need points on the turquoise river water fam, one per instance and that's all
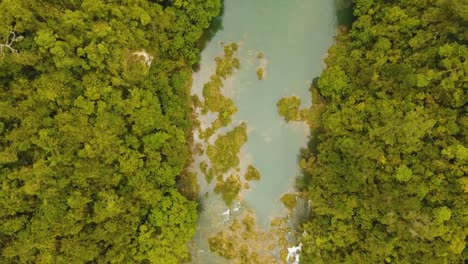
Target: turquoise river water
(294, 36)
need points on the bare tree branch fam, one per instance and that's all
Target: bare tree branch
(9, 42)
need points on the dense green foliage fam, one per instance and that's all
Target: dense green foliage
(92, 134)
(389, 181)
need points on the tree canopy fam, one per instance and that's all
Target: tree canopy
(387, 180)
(93, 126)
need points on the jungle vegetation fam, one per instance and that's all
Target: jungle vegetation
(94, 121)
(387, 168)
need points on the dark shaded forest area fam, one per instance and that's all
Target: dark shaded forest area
(94, 122)
(387, 169)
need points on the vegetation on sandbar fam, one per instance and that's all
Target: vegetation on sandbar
(229, 188)
(262, 65)
(289, 200)
(288, 108)
(224, 154)
(249, 223)
(260, 55)
(214, 100)
(226, 64)
(208, 172)
(243, 242)
(260, 73)
(252, 174)
(223, 245)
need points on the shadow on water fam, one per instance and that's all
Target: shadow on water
(316, 99)
(201, 202)
(215, 26)
(344, 13)
(345, 18)
(301, 212)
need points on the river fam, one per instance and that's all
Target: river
(293, 37)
